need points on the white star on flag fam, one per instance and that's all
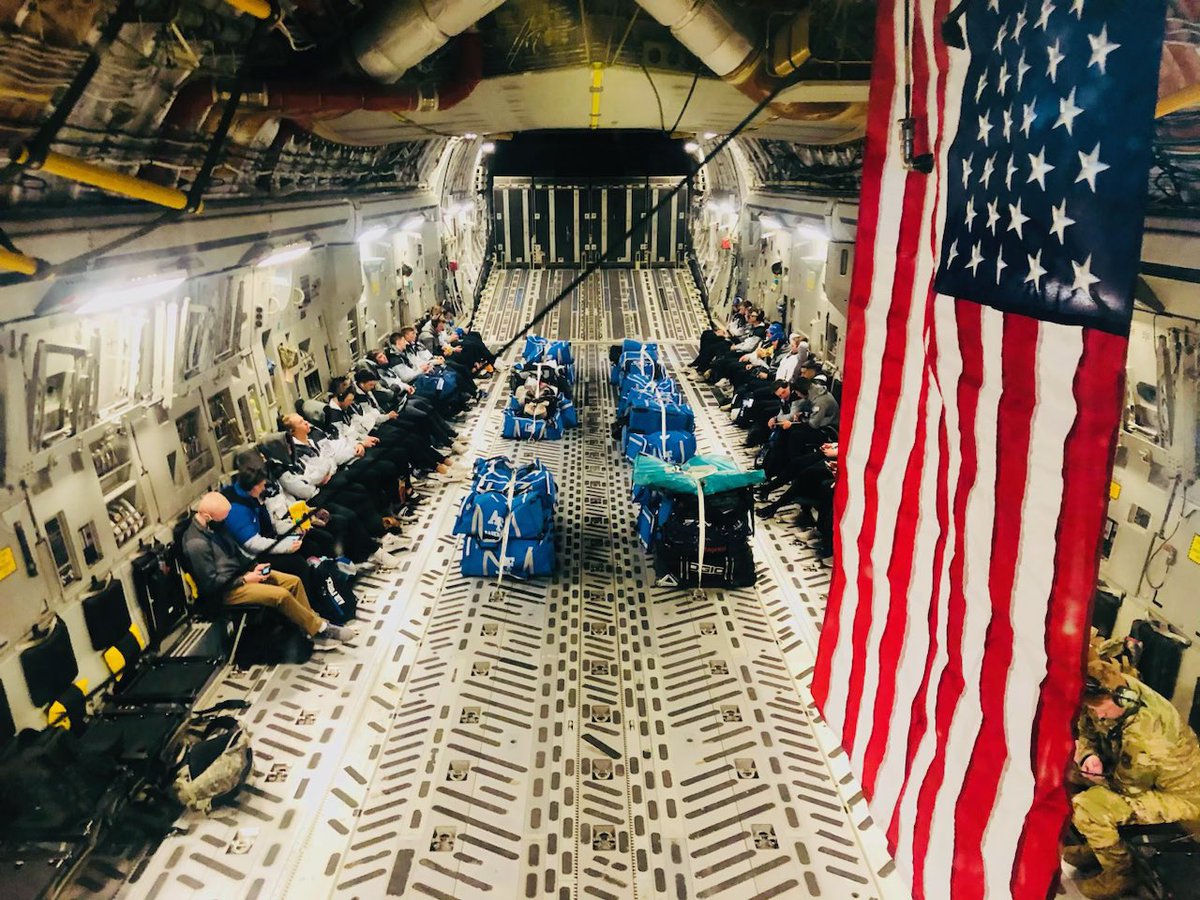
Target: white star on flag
(1054, 56)
(1061, 221)
(1067, 111)
(1035, 271)
(1090, 166)
(1038, 168)
(1084, 279)
(1101, 47)
(1016, 218)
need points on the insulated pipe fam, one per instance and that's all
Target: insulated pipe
(313, 101)
(708, 31)
(404, 32)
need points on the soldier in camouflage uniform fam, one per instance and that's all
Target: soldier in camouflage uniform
(1144, 764)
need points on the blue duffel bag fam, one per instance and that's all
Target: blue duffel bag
(568, 414)
(520, 427)
(518, 558)
(661, 414)
(442, 384)
(494, 474)
(651, 516)
(487, 514)
(629, 345)
(665, 388)
(672, 446)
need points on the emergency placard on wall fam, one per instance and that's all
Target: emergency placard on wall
(1193, 551)
(1114, 490)
(8, 562)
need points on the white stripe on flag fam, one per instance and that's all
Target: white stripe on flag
(890, 780)
(949, 368)
(858, 448)
(977, 535)
(1059, 350)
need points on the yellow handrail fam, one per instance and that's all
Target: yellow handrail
(17, 262)
(260, 9)
(106, 179)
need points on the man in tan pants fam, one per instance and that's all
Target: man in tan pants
(222, 570)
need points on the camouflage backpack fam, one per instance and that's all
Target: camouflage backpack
(212, 760)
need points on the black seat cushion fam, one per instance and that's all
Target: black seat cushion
(106, 615)
(313, 410)
(167, 680)
(7, 728)
(50, 665)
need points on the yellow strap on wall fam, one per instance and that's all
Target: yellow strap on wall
(596, 90)
(115, 660)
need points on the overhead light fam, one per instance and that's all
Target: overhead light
(285, 254)
(137, 291)
(709, 135)
(769, 223)
(470, 136)
(487, 147)
(413, 223)
(691, 147)
(372, 234)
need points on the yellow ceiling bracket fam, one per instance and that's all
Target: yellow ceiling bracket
(596, 90)
(17, 262)
(260, 9)
(1182, 99)
(105, 179)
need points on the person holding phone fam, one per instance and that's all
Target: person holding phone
(224, 573)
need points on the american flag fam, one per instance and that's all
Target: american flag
(985, 355)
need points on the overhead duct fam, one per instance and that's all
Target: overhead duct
(404, 32)
(706, 29)
(310, 101)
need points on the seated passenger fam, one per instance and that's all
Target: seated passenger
(1144, 764)
(225, 574)
(717, 340)
(329, 468)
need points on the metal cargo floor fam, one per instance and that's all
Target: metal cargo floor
(588, 735)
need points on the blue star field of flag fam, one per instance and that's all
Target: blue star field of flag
(1048, 169)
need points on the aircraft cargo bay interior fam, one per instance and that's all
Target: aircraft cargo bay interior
(599, 449)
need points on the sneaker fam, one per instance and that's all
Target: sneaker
(347, 568)
(450, 477)
(333, 635)
(460, 446)
(394, 543)
(383, 559)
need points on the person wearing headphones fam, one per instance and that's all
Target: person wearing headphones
(1143, 763)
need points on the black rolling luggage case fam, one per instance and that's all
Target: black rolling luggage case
(159, 592)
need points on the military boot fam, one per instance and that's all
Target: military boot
(1110, 884)
(1079, 856)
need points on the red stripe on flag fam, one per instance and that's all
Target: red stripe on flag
(919, 724)
(969, 317)
(1099, 394)
(907, 295)
(878, 146)
(899, 575)
(990, 753)
(891, 377)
